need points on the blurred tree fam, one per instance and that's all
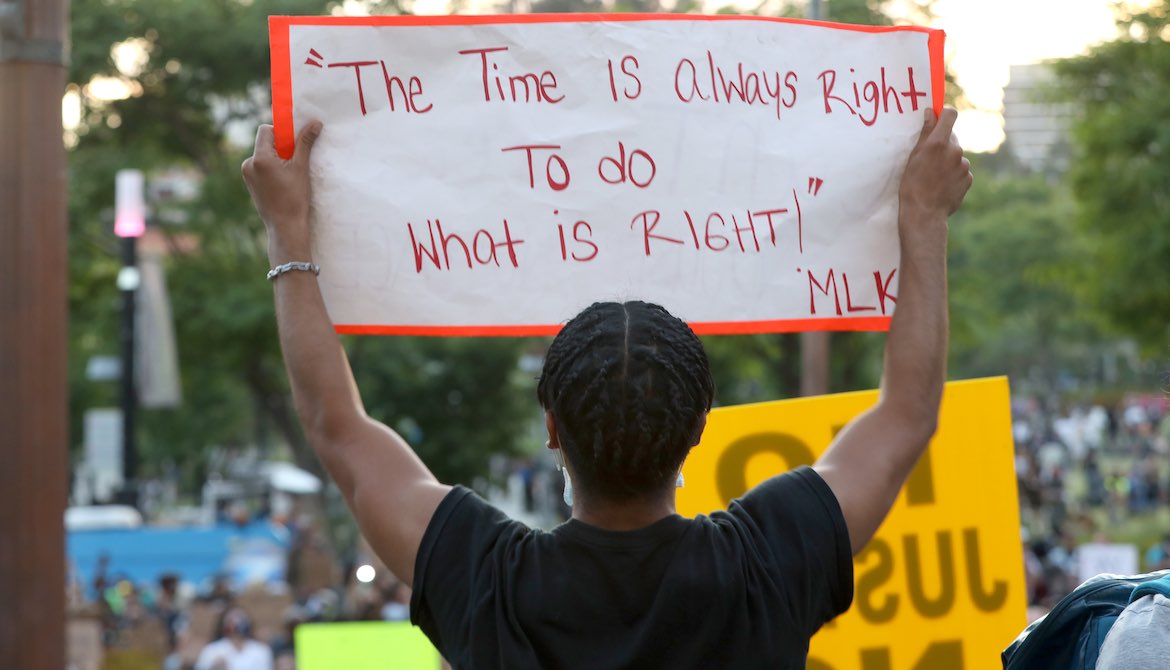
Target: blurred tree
(181, 84)
(1017, 274)
(1121, 170)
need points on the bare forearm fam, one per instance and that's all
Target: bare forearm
(322, 383)
(870, 460)
(391, 492)
(916, 347)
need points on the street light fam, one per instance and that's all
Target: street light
(129, 224)
(129, 204)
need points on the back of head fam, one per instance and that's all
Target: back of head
(235, 623)
(629, 387)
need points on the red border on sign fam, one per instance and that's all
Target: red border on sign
(282, 118)
(278, 31)
(866, 323)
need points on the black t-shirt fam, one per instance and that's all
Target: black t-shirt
(745, 588)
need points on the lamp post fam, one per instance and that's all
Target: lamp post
(129, 225)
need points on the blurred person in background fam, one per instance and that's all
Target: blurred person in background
(235, 648)
(284, 643)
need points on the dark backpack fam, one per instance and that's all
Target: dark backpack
(1070, 636)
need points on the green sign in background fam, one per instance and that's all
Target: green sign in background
(364, 645)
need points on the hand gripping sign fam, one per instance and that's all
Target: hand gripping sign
(496, 174)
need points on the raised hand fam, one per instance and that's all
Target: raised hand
(280, 188)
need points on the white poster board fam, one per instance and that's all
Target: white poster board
(103, 452)
(1097, 558)
(494, 175)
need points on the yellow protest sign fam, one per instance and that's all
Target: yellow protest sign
(364, 645)
(942, 583)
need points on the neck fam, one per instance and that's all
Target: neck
(626, 515)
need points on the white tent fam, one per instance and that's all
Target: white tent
(290, 479)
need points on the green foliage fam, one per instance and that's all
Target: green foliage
(1018, 270)
(864, 12)
(1121, 169)
(203, 65)
(456, 401)
(205, 73)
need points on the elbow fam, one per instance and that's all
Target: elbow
(922, 422)
(927, 426)
(326, 423)
(318, 429)
(919, 421)
(915, 433)
(921, 415)
(329, 441)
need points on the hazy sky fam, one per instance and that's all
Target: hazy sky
(985, 37)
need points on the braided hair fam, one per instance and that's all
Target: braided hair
(629, 387)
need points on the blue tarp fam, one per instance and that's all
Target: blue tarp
(251, 553)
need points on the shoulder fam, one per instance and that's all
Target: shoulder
(795, 526)
(210, 652)
(463, 529)
(465, 515)
(257, 649)
(216, 645)
(800, 491)
(464, 545)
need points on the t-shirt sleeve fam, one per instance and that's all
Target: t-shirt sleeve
(804, 530)
(454, 566)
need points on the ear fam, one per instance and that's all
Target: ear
(699, 432)
(550, 425)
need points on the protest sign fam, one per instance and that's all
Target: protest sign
(941, 585)
(495, 174)
(364, 645)
(1095, 558)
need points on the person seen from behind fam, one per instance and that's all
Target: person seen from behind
(625, 389)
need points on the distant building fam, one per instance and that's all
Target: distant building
(1036, 131)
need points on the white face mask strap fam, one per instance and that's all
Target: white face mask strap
(568, 495)
(559, 458)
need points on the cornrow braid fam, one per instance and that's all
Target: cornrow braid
(628, 386)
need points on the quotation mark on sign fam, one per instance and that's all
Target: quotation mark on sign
(311, 59)
(814, 185)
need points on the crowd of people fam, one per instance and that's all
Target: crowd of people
(177, 625)
(1083, 472)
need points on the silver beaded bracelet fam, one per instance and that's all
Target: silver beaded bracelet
(295, 265)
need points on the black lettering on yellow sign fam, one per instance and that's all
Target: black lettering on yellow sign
(946, 654)
(931, 608)
(731, 470)
(885, 609)
(869, 581)
(988, 602)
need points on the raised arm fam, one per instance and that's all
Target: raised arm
(872, 457)
(387, 487)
